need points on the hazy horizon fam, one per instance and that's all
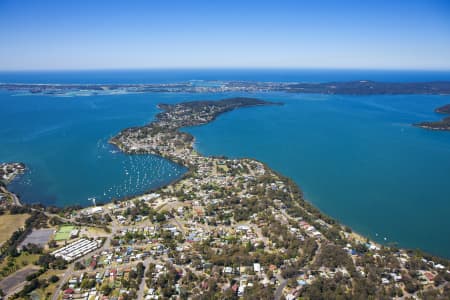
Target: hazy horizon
(212, 68)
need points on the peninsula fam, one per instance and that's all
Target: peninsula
(229, 229)
(249, 225)
(162, 137)
(443, 124)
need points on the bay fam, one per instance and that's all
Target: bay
(64, 144)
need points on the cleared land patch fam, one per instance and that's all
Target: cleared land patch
(9, 224)
(14, 264)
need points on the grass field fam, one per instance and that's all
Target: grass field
(46, 292)
(9, 224)
(63, 233)
(95, 232)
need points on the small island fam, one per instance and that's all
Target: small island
(443, 124)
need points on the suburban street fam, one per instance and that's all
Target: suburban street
(281, 286)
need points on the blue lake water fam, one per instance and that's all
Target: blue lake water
(356, 158)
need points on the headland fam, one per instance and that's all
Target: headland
(443, 124)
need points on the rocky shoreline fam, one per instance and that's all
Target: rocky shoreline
(9, 171)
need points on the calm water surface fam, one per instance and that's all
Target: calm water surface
(64, 143)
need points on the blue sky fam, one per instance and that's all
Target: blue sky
(92, 34)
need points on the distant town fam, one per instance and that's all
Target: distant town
(229, 229)
(359, 87)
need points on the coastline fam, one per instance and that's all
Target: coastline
(431, 127)
(191, 170)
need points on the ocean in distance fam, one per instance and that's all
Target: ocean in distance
(356, 158)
